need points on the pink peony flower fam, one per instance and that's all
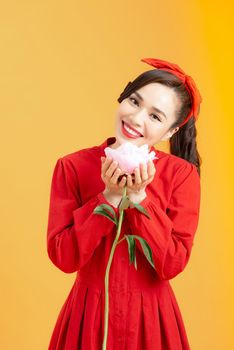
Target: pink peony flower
(129, 156)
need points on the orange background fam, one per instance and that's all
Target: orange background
(63, 65)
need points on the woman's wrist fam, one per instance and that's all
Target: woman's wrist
(113, 199)
(137, 197)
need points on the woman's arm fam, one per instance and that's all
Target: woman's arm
(73, 231)
(170, 235)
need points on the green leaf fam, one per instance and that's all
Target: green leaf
(108, 208)
(131, 249)
(135, 262)
(101, 210)
(141, 209)
(124, 203)
(146, 249)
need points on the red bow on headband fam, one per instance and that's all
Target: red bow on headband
(187, 80)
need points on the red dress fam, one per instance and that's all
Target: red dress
(143, 311)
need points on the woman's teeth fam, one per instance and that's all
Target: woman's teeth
(130, 131)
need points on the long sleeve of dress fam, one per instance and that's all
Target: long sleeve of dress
(170, 235)
(73, 231)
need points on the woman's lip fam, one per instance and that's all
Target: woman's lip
(128, 134)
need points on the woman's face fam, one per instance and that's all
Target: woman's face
(137, 112)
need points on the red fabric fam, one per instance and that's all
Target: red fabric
(143, 311)
(186, 79)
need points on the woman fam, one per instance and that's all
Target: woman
(160, 104)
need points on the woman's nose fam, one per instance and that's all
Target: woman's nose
(140, 116)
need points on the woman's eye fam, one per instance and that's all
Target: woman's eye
(132, 98)
(157, 117)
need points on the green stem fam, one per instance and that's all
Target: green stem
(121, 240)
(107, 274)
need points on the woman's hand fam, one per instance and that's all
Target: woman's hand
(142, 176)
(115, 181)
(110, 174)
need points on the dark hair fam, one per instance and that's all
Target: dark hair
(183, 142)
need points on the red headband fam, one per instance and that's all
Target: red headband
(187, 80)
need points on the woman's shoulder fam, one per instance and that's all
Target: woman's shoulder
(172, 159)
(172, 166)
(87, 153)
(78, 164)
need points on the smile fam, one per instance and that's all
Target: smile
(129, 132)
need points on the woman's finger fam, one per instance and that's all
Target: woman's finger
(111, 169)
(151, 168)
(129, 180)
(122, 181)
(106, 164)
(137, 176)
(144, 172)
(115, 176)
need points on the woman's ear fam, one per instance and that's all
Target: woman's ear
(169, 134)
(175, 130)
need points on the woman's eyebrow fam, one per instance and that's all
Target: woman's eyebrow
(155, 108)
